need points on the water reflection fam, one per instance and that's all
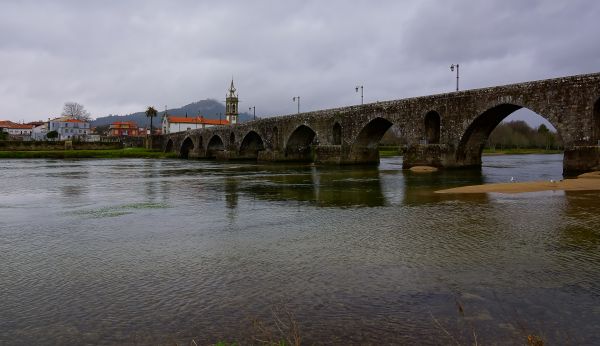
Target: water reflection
(581, 229)
(77, 182)
(419, 188)
(324, 187)
(358, 254)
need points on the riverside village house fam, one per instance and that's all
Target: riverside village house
(69, 128)
(172, 124)
(16, 130)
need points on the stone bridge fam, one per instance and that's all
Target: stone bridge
(446, 130)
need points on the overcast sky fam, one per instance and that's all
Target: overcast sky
(118, 57)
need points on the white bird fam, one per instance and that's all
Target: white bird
(512, 179)
(552, 181)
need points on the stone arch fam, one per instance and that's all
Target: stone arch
(297, 146)
(337, 133)
(186, 147)
(365, 148)
(215, 144)
(232, 140)
(251, 145)
(275, 137)
(169, 146)
(472, 142)
(370, 135)
(432, 127)
(596, 121)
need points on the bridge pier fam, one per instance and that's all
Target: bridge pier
(435, 155)
(581, 159)
(328, 154)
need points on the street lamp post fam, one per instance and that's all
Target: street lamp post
(452, 69)
(253, 108)
(297, 98)
(361, 93)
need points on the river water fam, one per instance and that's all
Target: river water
(136, 251)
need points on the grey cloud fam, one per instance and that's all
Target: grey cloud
(120, 56)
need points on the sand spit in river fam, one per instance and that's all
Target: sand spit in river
(423, 169)
(585, 182)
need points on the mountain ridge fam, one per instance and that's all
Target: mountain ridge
(208, 108)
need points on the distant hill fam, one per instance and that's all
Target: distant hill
(207, 108)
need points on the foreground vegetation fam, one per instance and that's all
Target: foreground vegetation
(81, 154)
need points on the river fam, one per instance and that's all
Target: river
(139, 251)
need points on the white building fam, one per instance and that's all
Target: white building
(171, 124)
(69, 128)
(16, 130)
(38, 133)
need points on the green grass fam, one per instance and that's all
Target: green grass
(389, 153)
(80, 154)
(520, 151)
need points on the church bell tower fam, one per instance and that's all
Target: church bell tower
(231, 105)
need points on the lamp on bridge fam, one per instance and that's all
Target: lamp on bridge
(452, 69)
(253, 108)
(361, 92)
(298, 99)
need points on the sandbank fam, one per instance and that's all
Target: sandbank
(585, 182)
(423, 169)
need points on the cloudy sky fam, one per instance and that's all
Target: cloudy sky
(118, 56)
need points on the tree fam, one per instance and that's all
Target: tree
(3, 135)
(76, 111)
(102, 130)
(52, 135)
(151, 113)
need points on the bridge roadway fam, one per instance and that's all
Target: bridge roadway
(445, 130)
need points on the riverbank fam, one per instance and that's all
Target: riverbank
(91, 154)
(584, 182)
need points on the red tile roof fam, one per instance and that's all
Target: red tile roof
(10, 125)
(73, 121)
(197, 120)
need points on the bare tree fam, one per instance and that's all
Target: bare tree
(76, 110)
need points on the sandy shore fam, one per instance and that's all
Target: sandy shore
(585, 182)
(423, 169)
(590, 175)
